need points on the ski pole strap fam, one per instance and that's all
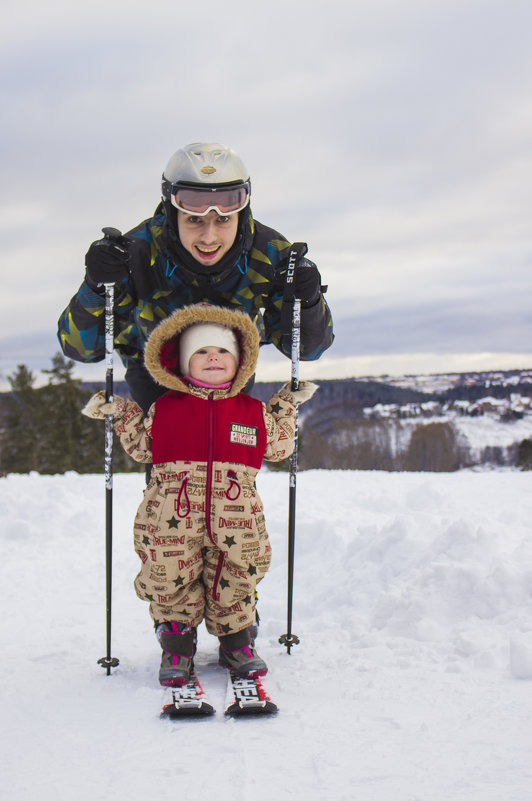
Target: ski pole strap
(297, 251)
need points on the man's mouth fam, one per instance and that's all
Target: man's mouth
(207, 252)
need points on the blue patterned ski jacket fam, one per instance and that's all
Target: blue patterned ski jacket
(156, 286)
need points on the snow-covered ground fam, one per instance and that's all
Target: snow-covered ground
(412, 682)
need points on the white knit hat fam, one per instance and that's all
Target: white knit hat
(204, 335)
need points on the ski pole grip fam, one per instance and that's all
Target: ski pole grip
(297, 251)
(112, 233)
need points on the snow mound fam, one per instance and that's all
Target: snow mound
(412, 600)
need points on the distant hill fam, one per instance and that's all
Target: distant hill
(356, 394)
(426, 422)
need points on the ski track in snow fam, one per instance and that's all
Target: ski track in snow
(413, 679)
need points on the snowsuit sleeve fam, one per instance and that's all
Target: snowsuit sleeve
(81, 326)
(134, 429)
(280, 421)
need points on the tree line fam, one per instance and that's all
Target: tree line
(42, 428)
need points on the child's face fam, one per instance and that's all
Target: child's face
(212, 365)
(207, 238)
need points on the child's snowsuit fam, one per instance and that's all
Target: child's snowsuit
(200, 531)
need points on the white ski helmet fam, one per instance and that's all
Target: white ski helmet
(205, 163)
(204, 176)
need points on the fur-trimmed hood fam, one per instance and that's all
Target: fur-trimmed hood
(161, 356)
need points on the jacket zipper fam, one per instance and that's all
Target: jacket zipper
(208, 491)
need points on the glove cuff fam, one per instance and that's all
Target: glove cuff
(307, 303)
(98, 288)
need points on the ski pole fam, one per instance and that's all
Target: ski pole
(108, 661)
(298, 251)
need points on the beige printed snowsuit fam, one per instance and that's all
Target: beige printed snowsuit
(200, 531)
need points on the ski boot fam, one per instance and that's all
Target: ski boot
(237, 653)
(178, 642)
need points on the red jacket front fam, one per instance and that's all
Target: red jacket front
(194, 429)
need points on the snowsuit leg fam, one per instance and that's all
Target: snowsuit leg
(170, 549)
(237, 553)
(230, 591)
(185, 576)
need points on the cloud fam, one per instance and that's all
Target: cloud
(394, 138)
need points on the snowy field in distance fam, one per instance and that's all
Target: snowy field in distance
(412, 682)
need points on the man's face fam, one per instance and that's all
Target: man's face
(207, 238)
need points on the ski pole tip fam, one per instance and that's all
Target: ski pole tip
(289, 640)
(108, 662)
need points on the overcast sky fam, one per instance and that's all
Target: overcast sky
(395, 138)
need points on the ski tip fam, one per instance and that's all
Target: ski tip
(248, 697)
(203, 709)
(240, 710)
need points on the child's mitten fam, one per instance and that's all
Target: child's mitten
(97, 407)
(304, 392)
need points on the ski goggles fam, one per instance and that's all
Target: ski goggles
(198, 200)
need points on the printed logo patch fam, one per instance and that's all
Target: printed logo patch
(243, 435)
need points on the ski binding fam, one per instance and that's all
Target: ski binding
(188, 700)
(247, 697)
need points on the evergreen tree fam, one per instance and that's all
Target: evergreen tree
(524, 454)
(20, 435)
(43, 429)
(63, 432)
(75, 442)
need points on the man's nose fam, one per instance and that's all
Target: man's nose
(209, 231)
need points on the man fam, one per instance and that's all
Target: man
(201, 245)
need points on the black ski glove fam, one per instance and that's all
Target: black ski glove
(307, 283)
(307, 278)
(107, 261)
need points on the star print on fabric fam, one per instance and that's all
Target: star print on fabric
(252, 570)
(145, 540)
(173, 522)
(276, 407)
(226, 628)
(179, 581)
(229, 541)
(224, 584)
(247, 600)
(150, 598)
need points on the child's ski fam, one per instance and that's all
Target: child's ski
(247, 697)
(244, 697)
(187, 701)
